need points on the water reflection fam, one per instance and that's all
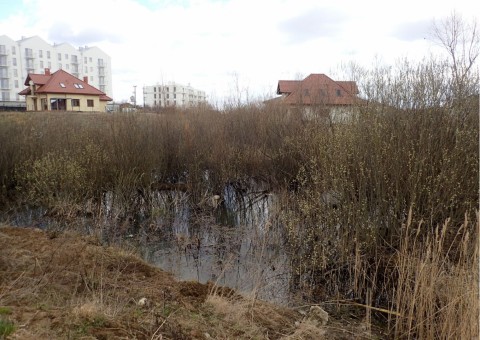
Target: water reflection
(240, 245)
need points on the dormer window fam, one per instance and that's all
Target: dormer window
(62, 85)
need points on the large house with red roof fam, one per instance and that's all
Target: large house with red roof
(63, 92)
(318, 94)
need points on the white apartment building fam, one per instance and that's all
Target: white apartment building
(34, 55)
(172, 94)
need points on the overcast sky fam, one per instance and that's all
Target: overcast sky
(222, 46)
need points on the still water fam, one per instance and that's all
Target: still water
(239, 244)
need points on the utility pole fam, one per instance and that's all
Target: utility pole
(135, 96)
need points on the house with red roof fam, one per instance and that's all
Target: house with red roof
(318, 94)
(63, 92)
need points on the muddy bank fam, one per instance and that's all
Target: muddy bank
(63, 285)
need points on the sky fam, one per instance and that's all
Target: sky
(233, 48)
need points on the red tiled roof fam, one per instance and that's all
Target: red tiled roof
(318, 89)
(38, 79)
(287, 86)
(61, 82)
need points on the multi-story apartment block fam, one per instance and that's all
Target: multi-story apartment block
(34, 55)
(172, 94)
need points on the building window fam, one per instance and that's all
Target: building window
(59, 56)
(4, 83)
(75, 102)
(90, 102)
(5, 95)
(49, 64)
(91, 69)
(15, 72)
(66, 56)
(339, 93)
(41, 63)
(174, 89)
(13, 50)
(62, 85)
(16, 83)
(48, 54)
(167, 95)
(14, 61)
(154, 89)
(174, 96)
(90, 59)
(78, 86)
(155, 96)
(60, 66)
(40, 53)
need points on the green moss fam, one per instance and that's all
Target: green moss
(6, 328)
(5, 311)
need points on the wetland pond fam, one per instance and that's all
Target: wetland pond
(239, 244)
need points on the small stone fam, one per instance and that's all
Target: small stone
(142, 302)
(318, 316)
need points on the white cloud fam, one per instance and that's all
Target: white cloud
(204, 42)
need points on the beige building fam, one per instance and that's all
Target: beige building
(61, 91)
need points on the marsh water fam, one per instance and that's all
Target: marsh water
(239, 244)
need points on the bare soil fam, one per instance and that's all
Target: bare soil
(69, 286)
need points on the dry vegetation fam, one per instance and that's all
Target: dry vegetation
(68, 286)
(380, 211)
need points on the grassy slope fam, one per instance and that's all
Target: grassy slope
(60, 286)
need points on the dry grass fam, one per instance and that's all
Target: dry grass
(437, 292)
(63, 285)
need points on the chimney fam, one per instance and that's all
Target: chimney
(47, 71)
(85, 79)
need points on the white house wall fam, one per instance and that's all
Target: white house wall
(173, 94)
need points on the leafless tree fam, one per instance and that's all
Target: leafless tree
(461, 40)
